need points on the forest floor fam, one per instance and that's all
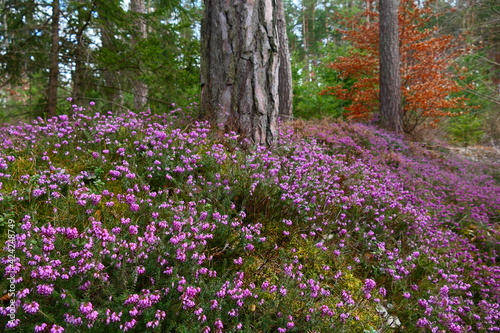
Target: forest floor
(478, 153)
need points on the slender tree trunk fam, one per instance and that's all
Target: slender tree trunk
(285, 70)
(54, 62)
(78, 74)
(140, 88)
(390, 75)
(240, 67)
(113, 90)
(81, 52)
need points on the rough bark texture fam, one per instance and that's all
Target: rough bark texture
(81, 52)
(285, 89)
(240, 67)
(54, 62)
(390, 79)
(140, 88)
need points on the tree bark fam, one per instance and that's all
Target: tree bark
(240, 67)
(81, 51)
(140, 88)
(285, 69)
(54, 62)
(390, 75)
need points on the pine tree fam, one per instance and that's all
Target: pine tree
(427, 82)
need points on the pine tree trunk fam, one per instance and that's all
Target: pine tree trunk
(390, 76)
(240, 67)
(113, 90)
(285, 70)
(54, 62)
(140, 88)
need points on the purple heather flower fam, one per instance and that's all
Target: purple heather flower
(444, 291)
(31, 308)
(45, 289)
(218, 324)
(12, 323)
(56, 329)
(41, 328)
(133, 229)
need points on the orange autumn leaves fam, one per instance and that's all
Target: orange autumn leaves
(427, 58)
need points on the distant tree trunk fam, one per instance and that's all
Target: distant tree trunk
(78, 74)
(390, 75)
(285, 70)
(240, 67)
(54, 62)
(113, 89)
(80, 53)
(140, 88)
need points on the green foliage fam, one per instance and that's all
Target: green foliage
(308, 102)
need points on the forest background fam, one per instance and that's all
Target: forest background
(146, 54)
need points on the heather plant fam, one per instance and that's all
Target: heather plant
(142, 222)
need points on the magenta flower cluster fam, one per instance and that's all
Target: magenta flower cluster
(138, 222)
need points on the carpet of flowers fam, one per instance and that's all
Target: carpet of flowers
(144, 223)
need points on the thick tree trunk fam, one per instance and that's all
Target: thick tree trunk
(54, 62)
(240, 67)
(390, 76)
(140, 88)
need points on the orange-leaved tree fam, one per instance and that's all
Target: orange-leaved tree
(427, 62)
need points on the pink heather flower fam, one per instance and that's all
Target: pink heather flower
(265, 285)
(86, 308)
(369, 285)
(31, 308)
(134, 207)
(422, 322)
(45, 289)
(218, 324)
(93, 315)
(406, 295)
(128, 325)
(160, 315)
(133, 229)
(12, 323)
(41, 327)
(56, 329)
(115, 173)
(72, 319)
(92, 103)
(133, 312)
(444, 291)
